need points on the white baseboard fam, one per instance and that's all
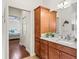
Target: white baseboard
(31, 54)
(27, 50)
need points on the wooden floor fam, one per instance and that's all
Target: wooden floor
(17, 51)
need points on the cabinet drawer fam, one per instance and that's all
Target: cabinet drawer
(54, 45)
(44, 42)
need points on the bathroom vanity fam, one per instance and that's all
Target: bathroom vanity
(51, 47)
(52, 50)
(48, 48)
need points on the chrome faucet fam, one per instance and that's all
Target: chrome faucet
(67, 37)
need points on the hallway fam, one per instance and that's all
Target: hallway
(16, 51)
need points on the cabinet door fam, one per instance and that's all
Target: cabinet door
(44, 20)
(53, 21)
(66, 56)
(44, 49)
(37, 48)
(44, 54)
(53, 53)
(37, 22)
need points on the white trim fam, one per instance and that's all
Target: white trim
(27, 50)
(31, 54)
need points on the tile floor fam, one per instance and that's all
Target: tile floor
(31, 57)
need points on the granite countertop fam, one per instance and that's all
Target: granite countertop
(71, 44)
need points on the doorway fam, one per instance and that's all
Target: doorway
(17, 28)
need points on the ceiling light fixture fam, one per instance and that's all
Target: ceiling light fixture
(64, 4)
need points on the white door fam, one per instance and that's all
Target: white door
(26, 31)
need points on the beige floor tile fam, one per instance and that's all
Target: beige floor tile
(31, 57)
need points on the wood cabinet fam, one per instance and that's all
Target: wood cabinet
(37, 23)
(48, 21)
(51, 50)
(53, 53)
(66, 56)
(37, 31)
(57, 51)
(37, 48)
(44, 49)
(52, 21)
(42, 17)
(45, 21)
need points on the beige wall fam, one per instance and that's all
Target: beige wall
(25, 4)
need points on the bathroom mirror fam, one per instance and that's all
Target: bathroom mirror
(69, 15)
